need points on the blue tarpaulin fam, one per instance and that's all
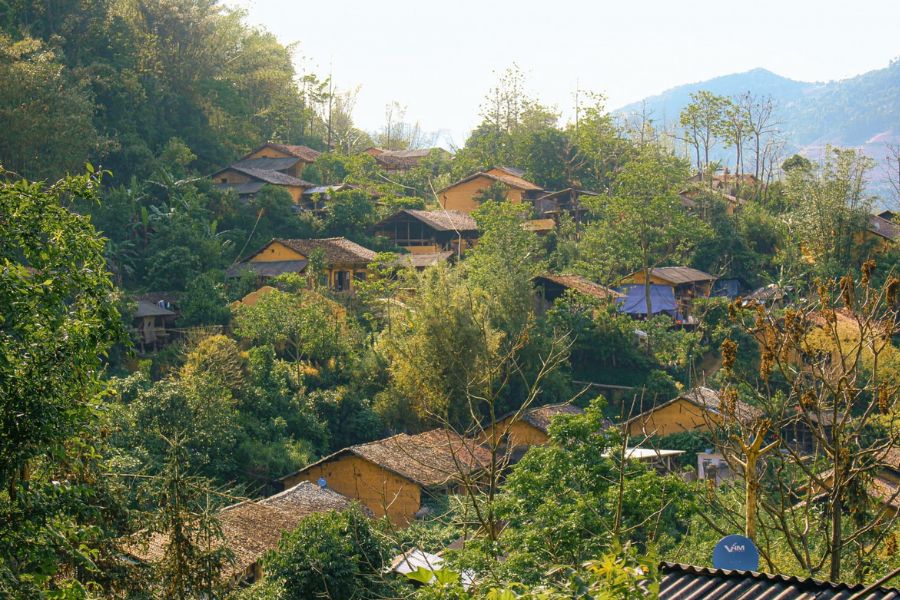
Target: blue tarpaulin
(662, 299)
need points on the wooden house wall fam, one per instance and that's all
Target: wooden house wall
(379, 490)
(463, 197)
(418, 238)
(676, 417)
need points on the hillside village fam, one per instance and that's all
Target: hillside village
(251, 351)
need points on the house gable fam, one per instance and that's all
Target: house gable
(275, 251)
(671, 417)
(463, 195)
(382, 491)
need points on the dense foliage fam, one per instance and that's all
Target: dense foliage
(100, 447)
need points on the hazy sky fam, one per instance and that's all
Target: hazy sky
(440, 58)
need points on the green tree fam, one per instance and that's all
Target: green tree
(45, 114)
(643, 224)
(703, 122)
(204, 302)
(194, 555)
(304, 326)
(58, 320)
(333, 554)
(830, 211)
(574, 499)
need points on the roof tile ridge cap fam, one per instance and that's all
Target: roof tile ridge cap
(381, 441)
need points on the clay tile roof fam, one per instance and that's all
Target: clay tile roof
(338, 250)
(304, 153)
(307, 498)
(566, 192)
(250, 529)
(273, 177)
(680, 275)
(431, 459)
(707, 399)
(886, 229)
(582, 285)
(542, 416)
(513, 171)
(505, 176)
(267, 163)
(444, 220)
(399, 159)
(687, 582)
(515, 181)
(710, 399)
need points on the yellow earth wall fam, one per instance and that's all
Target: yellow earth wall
(276, 251)
(640, 277)
(268, 152)
(520, 434)
(462, 197)
(673, 418)
(379, 490)
(231, 177)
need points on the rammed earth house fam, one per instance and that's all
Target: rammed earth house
(695, 410)
(466, 194)
(251, 528)
(429, 231)
(344, 261)
(395, 475)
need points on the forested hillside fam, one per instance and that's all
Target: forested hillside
(862, 111)
(248, 351)
(113, 82)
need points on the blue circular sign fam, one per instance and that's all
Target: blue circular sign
(736, 552)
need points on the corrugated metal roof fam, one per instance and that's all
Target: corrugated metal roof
(687, 582)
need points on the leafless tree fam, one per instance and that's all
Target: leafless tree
(825, 371)
(759, 113)
(892, 171)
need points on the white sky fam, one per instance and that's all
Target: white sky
(439, 58)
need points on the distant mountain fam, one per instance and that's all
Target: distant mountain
(863, 111)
